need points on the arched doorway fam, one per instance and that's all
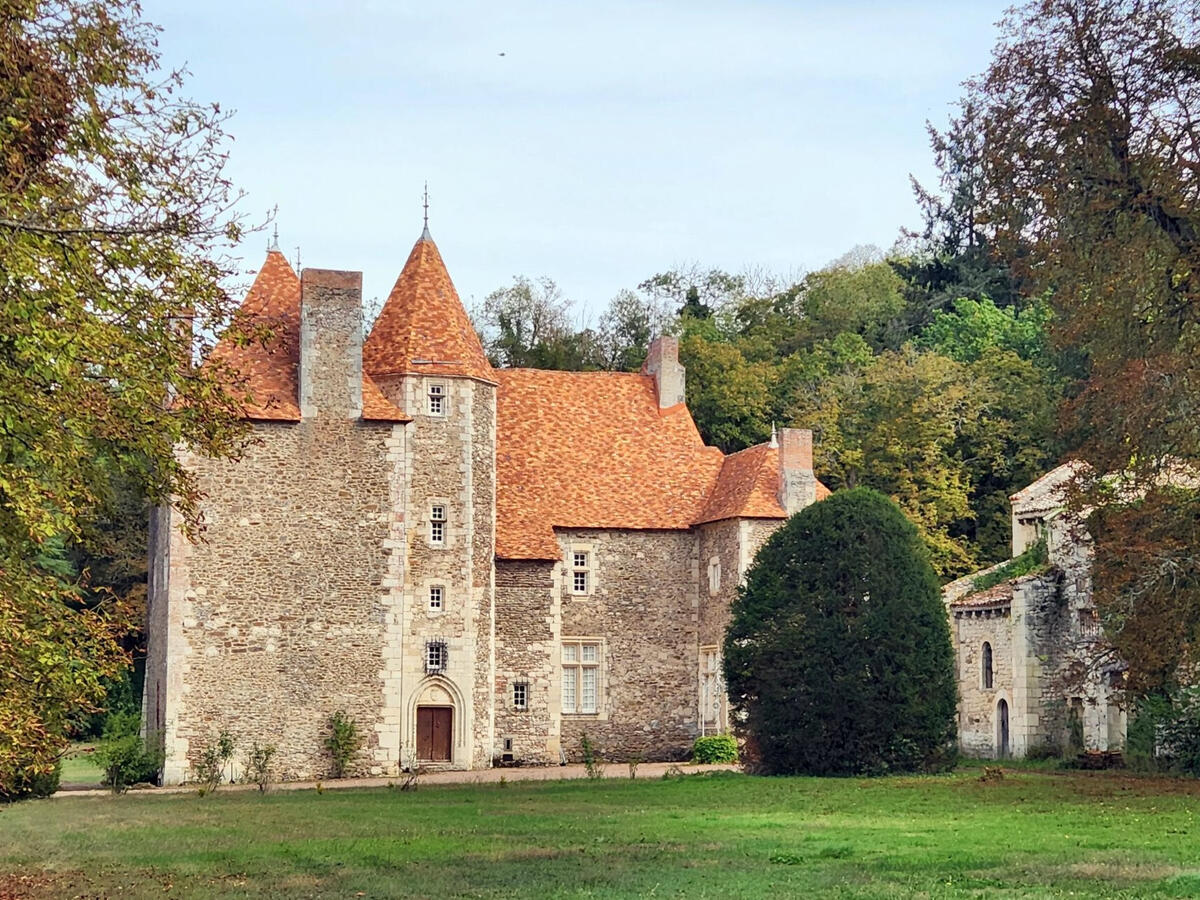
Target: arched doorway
(1002, 729)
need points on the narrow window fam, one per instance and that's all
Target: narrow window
(520, 695)
(435, 597)
(987, 665)
(435, 656)
(711, 688)
(714, 575)
(579, 572)
(581, 677)
(437, 399)
(437, 525)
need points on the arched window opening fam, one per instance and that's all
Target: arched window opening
(987, 665)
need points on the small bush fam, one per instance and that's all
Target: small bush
(33, 787)
(258, 765)
(591, 759)
(1044, 751)
(122, 754)
(715, 748)
(210, 771)
(343, 742)
(1034, 559)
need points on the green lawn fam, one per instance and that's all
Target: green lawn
(1032, 834)
(79, 767)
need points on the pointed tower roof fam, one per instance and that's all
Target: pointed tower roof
(423, 328)
(270, 372)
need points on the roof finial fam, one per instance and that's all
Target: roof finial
(774, 438)
(425, 233)
(274, 245)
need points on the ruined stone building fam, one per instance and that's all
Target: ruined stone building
(1031, 663)
(475, 564)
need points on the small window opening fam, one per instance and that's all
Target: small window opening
(435, 597)
(520, 695)
(437, 525)
(987, 665)
(579, 572)
(437, 399)
(436, 657)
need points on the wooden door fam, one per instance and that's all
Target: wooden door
(435, 726)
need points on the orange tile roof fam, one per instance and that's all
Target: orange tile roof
(998, 595)
(592, 450)
(423, 327)
(748, 487)
(271, 372)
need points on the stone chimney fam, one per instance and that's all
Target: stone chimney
(797, 481)
(330, 343)
(662, 361)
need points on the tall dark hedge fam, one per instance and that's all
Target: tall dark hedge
(838, 657)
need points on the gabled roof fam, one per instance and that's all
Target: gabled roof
(1049, 492)
(271, 372)
(592, 450)
(423, 327)
(748, 487)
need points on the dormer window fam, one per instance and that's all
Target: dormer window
(437, 525)
(437, 399)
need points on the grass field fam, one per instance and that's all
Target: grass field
(1031, 834)
(78, 766)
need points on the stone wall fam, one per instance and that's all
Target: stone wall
(280, 606)
(450, 459)
(527, 651)
(644, 610)
(977, 704)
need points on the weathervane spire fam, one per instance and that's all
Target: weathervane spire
(425, 232)
(274, 245)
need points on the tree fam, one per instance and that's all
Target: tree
(528, 325)
(627, 327)
(115, 219)
(838, 656)
(1088, 115)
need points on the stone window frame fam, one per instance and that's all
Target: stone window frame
(572, 572)
(440, 588)
(714, 575)
(711, 678)
(431, 507)
(437, 396)
(520, 695)
(578, 664)
(987, 667)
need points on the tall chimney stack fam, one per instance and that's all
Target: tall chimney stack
(797, 481)
(330, 343)
(662, 361)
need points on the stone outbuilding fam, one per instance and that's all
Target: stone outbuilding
(1033, 669)
(476, 565)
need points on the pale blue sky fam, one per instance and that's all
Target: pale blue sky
(611, 141)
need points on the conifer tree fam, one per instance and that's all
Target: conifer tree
(838, 656)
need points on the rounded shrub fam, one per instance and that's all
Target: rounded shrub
(715, 748)
(838, 657)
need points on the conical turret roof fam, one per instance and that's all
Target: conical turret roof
(268, 373)
(423, 328)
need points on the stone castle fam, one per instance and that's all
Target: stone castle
(477, 565)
